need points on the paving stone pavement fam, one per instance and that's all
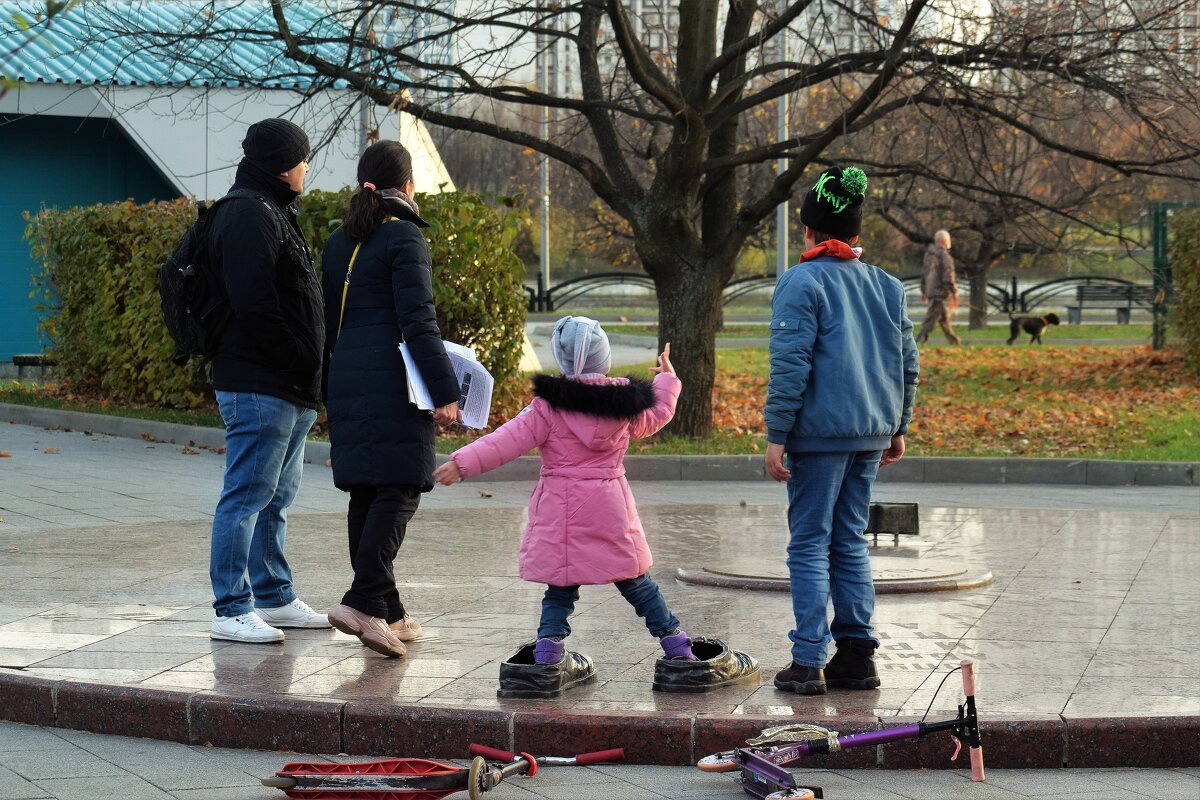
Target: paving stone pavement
(103, 578)
(38, 763)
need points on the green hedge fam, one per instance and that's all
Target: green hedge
(1185, 267)
(99, 278)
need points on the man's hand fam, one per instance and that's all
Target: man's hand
(894, 452)
(664, 360)
(447, 473)
(447, 415)
(775, 467)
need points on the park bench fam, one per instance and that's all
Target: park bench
(33, 366)
(1121, 298)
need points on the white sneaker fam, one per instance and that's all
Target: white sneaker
(295, 614)
(247, 627)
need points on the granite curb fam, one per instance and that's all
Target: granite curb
(666, 739)
(915, 469)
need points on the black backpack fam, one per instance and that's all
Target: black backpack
(194, 302)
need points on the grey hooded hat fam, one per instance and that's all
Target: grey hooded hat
(580, 347)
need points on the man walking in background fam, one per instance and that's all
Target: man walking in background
(939, 288)
(267, 377)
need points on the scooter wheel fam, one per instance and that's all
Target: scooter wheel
(279, 782)
(721, 762)
(475, 778)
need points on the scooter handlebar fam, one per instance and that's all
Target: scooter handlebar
(976, 753)
(582, 760)
(491, 753)
(977, 773)
(968, 676)
(600, 757)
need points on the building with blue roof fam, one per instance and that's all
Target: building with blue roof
(150, 100)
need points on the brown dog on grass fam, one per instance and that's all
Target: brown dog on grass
(1031, 325)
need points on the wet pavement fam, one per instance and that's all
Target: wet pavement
(103, 579)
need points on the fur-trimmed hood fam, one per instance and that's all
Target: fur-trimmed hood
(610, 398)
(596, 409)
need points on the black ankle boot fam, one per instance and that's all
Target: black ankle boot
(853, 665)
(801, 680)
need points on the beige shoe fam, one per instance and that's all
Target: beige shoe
(407, 629)
(371, 631)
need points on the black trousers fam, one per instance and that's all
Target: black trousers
(377, 520)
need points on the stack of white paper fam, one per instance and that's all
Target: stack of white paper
(475, 384)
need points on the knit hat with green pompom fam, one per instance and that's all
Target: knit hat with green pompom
(834, 204)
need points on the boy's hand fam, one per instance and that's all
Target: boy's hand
(775, 467)
(664, 360)
(894, 452)
(447, 473)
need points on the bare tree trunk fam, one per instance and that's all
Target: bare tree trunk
(979, 298)
(689, 309)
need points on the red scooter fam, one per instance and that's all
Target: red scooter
(418, 778)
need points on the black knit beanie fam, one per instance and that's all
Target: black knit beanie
(275, 145)
(834, 204)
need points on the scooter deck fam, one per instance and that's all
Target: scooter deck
(768, 781)
(392, 779)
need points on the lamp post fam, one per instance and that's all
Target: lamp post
(544, 254)
(781, 211)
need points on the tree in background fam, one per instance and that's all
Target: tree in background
(1185, 263)
(1023, 200)
(656, 120)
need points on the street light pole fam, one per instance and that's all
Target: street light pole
(364, 103)
(781, 211)
(544, 256)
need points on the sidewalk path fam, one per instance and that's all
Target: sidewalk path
(103, 579)
(38, 763)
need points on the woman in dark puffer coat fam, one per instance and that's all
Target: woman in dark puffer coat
(382, 446)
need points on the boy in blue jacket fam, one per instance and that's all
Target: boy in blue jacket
(840, 397)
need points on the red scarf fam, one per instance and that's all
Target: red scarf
(829, 247)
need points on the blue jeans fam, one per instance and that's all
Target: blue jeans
(641, 592)
(264, 460)
(829, 500)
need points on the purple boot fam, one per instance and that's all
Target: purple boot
(677, 646)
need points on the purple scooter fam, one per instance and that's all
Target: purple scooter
(762, 762)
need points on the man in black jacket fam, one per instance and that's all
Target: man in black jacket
(267, 377)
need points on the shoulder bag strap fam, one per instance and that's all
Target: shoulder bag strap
(346, 285)
(346, 288)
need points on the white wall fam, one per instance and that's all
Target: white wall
(194, 134)
(62, 100)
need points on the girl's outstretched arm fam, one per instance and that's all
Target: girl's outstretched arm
(514, 438)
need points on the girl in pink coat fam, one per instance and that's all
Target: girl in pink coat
(583, 524)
